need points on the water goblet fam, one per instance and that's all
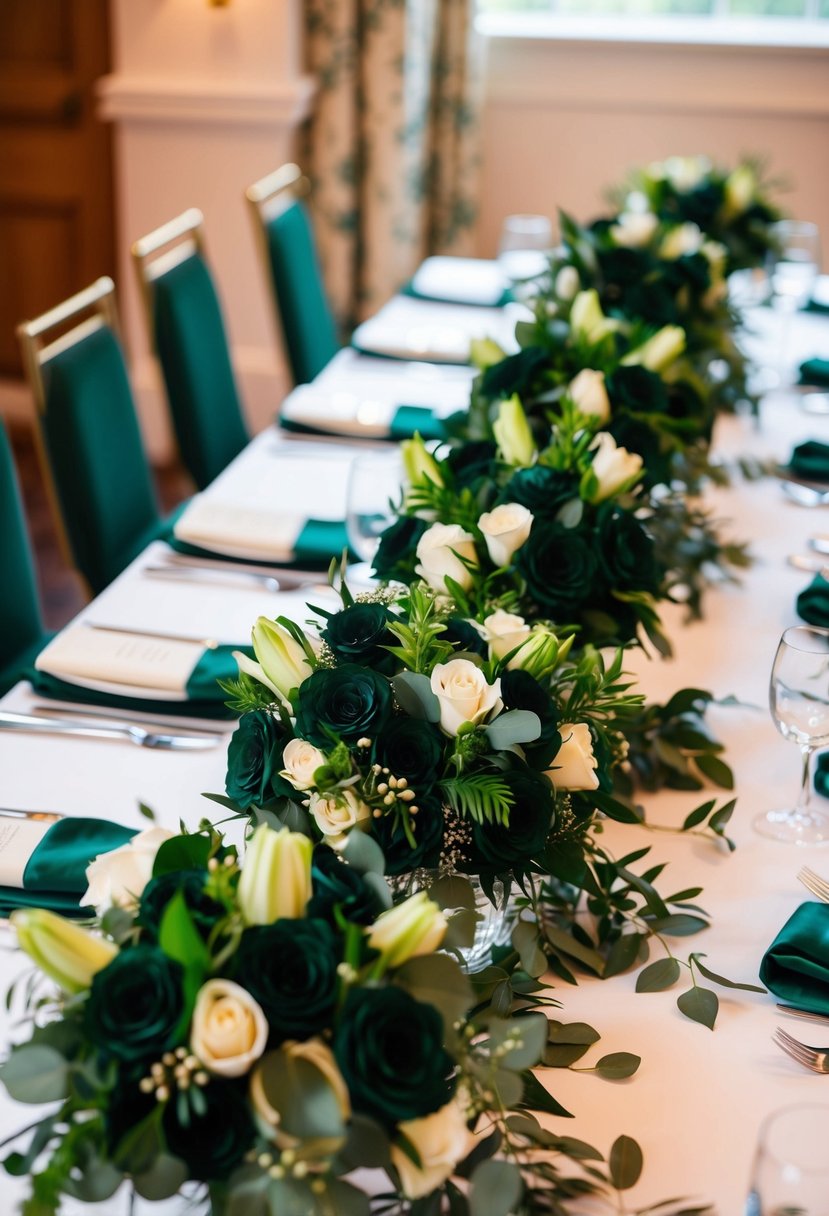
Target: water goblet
(523, 249)
(793, 264)
(375, 482)
(790, 1175)
(799, 703)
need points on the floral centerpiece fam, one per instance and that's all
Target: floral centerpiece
(248, 1034)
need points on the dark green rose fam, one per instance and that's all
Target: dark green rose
(204, 911)
(135, 1005)
(500, 848)
(560, 570)
(359, 634)
(520, 690)
(427, 827)
(397, 552)
(347, 701)
(254, 758)
(514, 374)
(412, 749)
(622, 268)
(627, 553)
(699, 205)
(471, 462)
(464, 636)
(338, 885)
(636, 390)
(541, 490)
(691, 272)
(290, 968)
(212, 1145)
(389, 1048)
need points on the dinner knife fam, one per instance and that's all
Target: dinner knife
(131, 734)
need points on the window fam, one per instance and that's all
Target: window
(501, 15)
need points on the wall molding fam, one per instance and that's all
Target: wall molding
(642, 78)
(123, 97)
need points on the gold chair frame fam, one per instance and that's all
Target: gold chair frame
(161, 250)
(98, 300)
(266, 199)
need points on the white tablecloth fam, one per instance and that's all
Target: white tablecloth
(697, 1101)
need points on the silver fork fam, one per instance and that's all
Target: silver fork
(813, 882)
(816, 1059)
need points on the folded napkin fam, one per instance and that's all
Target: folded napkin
(310, 546)
(460, 281)
(796, 964)
(813, 602)
(392, 422)
(815, 371)
(810, 460)
(204, 697)
(409, 419)
(55, 873)
(821, 777)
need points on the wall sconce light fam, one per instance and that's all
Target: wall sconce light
(218, 3)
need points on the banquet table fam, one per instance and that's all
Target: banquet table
(697, 1101)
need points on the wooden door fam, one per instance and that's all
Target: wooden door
(56, 221)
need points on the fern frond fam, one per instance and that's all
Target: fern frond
(484, 797)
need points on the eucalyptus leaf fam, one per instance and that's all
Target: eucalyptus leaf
(436, 979)
(720, 979)
(496, 1188)
(525, 939)
(163, 1179)
(98, 1181)
(515, 726)
(625, 1163)
(536, 1097)
(678, 924)
(529, 1034)
(572, 1033)
(364, 854)
(307, 1102)
(36, 1074)
(617, 1065)
(658, 976)
(562, 1055)
(415, 697)
(700, 1005)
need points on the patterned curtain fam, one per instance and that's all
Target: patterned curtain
(392, 147)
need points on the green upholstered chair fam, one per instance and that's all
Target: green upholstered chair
(286, 240)
(189, 337)
(21, 628)
(93, 457)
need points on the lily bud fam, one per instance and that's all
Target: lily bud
(280, 656)
(740, 187)
(587, 320)
(68, 954)
(414, 927)
(419, 464)
(276, 876)
(658, 352)
(540, 653)
(512, 433)
(485, 352)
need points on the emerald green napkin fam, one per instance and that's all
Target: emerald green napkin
(813, 602)
(409, 289)
(815, 371)
(55, 874)
(821, 777)
(816, 306)
(796, 964)
(810, 460)
(317, 543)
(410, 418)
(205, 699)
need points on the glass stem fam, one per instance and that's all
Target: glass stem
(804, 802)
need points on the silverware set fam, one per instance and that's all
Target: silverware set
(817, 559)
(181, 567)
(90, 728)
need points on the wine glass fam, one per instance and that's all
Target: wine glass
(374, 492)
(523, 249)
(793, 263)
(799, 702)
(790, 1175)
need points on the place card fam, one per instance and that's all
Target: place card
(82, 654)
(20, 835)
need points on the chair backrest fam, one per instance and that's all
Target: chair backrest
(93, 458)
(188, 334)
(21, 625)
(286, 241)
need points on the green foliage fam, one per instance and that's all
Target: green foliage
(483, 797)
(245, 694)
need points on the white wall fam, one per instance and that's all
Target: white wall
(204, 101)
(564, 120)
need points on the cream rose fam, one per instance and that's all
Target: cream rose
(505, 529)
(440, 1140)
(680, 241)
(589, 394)
(633, 229)
(117, 879)
(574, 767)
(464, 694)
(439, 553)
(338, 815)
(229, 1031)
(503, 631)
(615, 468)
(301, 761)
